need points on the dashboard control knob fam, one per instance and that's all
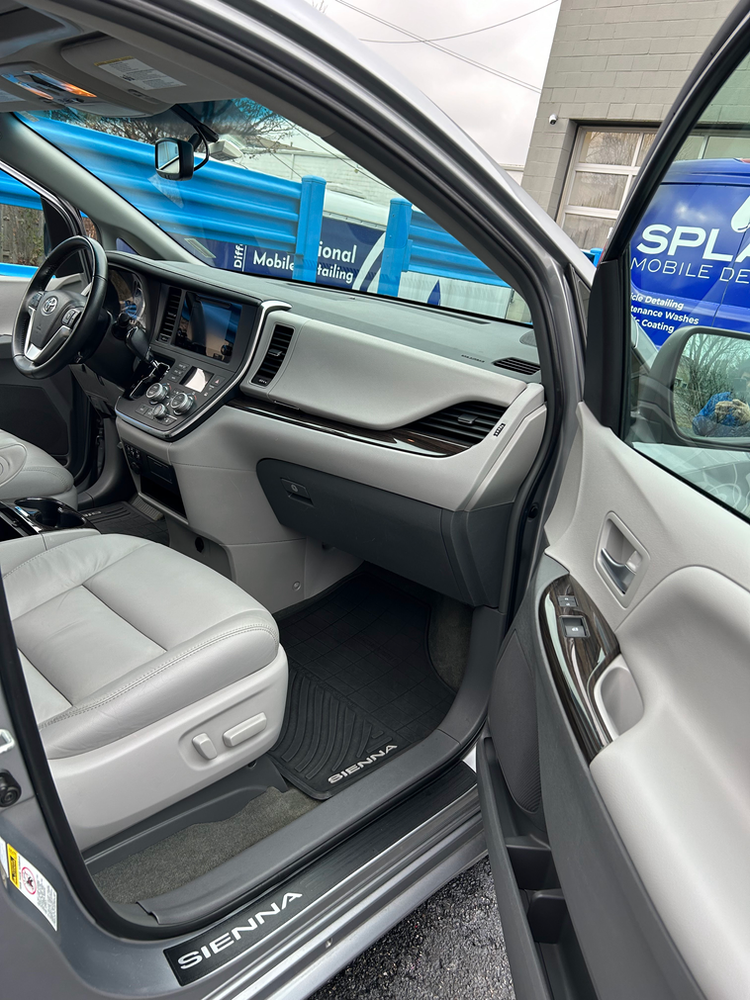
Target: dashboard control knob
(182, 402)
(157, 392)
(160, 411)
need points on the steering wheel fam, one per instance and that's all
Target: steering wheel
(55, 328)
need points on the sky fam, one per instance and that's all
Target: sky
(496, 113)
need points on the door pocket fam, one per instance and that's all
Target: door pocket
(617, 698)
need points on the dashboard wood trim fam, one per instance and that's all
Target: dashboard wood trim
(400, 438)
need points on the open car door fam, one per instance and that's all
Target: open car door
(614, 768)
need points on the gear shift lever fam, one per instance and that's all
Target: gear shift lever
(137, 340)
(149, 370)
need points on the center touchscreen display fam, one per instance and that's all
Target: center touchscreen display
(207, 327)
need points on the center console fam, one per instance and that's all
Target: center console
(200, 347)
(33, 515)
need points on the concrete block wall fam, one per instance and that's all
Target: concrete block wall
(612, 62)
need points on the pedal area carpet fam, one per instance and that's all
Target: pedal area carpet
(360, 681)
(125, 519)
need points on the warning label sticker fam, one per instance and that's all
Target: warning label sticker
(29, 881)
(139, 74)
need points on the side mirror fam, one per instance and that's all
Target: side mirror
(698, 391)
(174, 159)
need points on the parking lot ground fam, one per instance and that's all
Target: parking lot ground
(451, 947)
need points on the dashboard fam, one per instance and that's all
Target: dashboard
(199, 339)
(360, 363)
(294, 430)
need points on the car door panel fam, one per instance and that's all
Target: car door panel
(668, 517)
(12, 288)
(689, 614)
(50, 413)
(677, 785)
(39, 412)
(648, 831)
(612, 943)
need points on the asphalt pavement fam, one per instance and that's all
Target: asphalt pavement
(451, 947)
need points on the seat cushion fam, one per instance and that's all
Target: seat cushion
(27, 471)
(116, 632)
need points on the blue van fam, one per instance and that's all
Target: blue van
(690, 258)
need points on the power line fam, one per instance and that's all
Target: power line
(462, 34)
(287, 166)
(344, 159)
(330, 152)
(443, 49)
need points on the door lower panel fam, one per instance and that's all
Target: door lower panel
(543, 949)
(627, 949)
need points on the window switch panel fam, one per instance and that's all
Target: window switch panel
(567, 601)
(574, 626)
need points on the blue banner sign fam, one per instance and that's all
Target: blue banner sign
(690, 257)
(344, 249)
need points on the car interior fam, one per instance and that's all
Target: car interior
(252, 529)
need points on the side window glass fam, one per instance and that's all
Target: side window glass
(690, 307)
(21, 228)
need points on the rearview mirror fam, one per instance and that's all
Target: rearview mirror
(698, 390)
(174, 159)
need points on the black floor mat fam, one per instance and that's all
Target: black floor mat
(124, 519)
(360, 682)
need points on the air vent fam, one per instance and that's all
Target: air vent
(517, 365)
(280, 341)
(171, 311)
(465, 423)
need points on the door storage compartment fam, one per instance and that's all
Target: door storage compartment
(458, 553)
(545, 956)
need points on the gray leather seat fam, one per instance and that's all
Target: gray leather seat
(150, 675)
(27, 471)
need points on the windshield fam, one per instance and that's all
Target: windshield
(276, 200)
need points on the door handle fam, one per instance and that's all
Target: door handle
(619, 573)
(620, 557)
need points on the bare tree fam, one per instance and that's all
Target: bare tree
(707, 367)
(21, 235)
(242, 118)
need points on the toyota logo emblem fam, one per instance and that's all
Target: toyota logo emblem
(50, 305)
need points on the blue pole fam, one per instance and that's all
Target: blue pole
(308, 228)
(397, 246)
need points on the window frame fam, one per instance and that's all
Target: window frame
(576, 165)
